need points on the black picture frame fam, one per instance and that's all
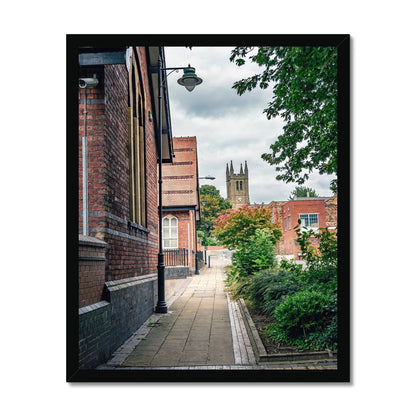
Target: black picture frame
(342, 373)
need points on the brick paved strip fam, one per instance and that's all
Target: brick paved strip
(243, 351)
(291, 366)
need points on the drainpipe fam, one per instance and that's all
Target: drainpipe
(85, 83)
(85, 171)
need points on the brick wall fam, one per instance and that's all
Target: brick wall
(91, 274)
(132, 250)
(294, 208)
(116, 295)
(94, 119)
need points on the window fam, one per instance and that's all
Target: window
(170, 232)
(236, 185)
(241, 185)
(285, 224)
(272, 218)
(309, 220)
(136, 147)
(290, 222)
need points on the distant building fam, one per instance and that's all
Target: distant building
(314, 213)
(237, 186)
(181, 208)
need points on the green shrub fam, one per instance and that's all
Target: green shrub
(322, 278)
(306, 319)
(303, 301)
(238, 285)
(326, 254)
(258, 253)
(270, 287)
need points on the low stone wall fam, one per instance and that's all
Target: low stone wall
(132, 302)
(94, 334)
(176, 272)
(286, 356)
(105, 325)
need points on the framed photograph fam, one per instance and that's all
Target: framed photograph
(208, 222)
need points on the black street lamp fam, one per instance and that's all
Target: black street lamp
(189, 80)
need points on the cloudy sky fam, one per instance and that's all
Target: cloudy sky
(227, 126)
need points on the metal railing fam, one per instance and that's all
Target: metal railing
(176, 257)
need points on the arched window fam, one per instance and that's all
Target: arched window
(170, 232)
(136, 146)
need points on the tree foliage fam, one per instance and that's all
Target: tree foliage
(215, 204)
(236, 228)
(304, 81)
(256, 254)
(302, 192)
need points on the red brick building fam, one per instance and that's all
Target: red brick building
(181, 209)
(314, 213)
(118, 194)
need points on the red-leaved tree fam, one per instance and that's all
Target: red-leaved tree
(235, 228)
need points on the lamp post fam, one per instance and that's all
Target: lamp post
(189, 80)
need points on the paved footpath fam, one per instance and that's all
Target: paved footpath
(202, 329)
(196, 331)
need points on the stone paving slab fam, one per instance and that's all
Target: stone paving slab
(189, 335)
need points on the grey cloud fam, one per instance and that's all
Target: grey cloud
(227, 126)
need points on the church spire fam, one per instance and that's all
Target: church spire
(241, 169)
(231, 168)
(245, 167)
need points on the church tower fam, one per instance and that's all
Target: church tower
(237, 186)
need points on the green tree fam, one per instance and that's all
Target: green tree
(302, 192)
(215, 204)
(304, 81)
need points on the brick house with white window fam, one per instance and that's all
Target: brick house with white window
(181, 208)
(314, 213)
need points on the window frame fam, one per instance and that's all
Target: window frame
(308, 226)
(137, 151)
(170, 217)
